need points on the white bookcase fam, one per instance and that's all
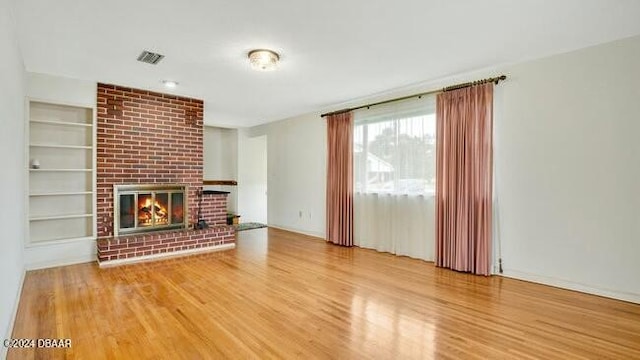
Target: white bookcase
(61, 166)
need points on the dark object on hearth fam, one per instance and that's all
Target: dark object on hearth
(233, 219)
(201, 224)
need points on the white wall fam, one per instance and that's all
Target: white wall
(296, 168)
(252, 177)
(73, 92)
(12, 180)
(62, 90)
(221, 161)
(568, 170)
(220, 153)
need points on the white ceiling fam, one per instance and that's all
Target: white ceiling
(332, 51)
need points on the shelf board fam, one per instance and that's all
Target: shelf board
(60, 217)
(58, 240)
(62, 146)
(60, 170)
(63, 123)
(62, 193)
(220, 182)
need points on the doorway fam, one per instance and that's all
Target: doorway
(252, 178)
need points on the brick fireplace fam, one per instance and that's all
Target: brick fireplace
(145, 139)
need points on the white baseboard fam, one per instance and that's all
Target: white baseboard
(61, 262)
(166, 255)
(571, 285)
(299, 231)
(12, 320)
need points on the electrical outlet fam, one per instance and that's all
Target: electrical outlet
(300, 214)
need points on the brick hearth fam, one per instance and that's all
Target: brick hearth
(145, 137)
(166, 242)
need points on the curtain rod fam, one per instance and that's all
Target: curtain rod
(495, 80)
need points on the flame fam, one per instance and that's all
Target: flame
(145, 215)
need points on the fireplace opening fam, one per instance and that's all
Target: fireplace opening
(141, 208)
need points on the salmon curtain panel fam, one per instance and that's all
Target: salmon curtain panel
(340, 179)
(464, 179)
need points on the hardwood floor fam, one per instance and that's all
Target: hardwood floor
(284, 295)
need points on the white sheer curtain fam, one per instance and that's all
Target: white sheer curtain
(394, 167)
(399, 224)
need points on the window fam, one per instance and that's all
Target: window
(395, 148)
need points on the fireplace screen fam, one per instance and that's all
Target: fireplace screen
(141, 208)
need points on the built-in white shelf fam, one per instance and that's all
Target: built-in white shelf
(61, 197)
(62, 193)
(60, 170)
(59, 240)
(63, 123)
(60, 217)
(58, 146)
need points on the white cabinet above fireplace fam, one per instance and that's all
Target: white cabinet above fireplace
(61, 168)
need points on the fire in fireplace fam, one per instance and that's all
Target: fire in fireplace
(141, 208)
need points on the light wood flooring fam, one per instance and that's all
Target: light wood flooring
(285, 295)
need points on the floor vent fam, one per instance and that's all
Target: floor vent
(150, 58)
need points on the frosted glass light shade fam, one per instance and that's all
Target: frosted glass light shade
(263, 60)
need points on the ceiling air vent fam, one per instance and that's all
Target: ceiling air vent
(150, 58)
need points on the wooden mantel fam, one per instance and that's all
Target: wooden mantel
(220, 182)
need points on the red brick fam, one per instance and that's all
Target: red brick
(147, 137)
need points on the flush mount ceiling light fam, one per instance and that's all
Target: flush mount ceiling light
(263, 59)
(170, 83)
